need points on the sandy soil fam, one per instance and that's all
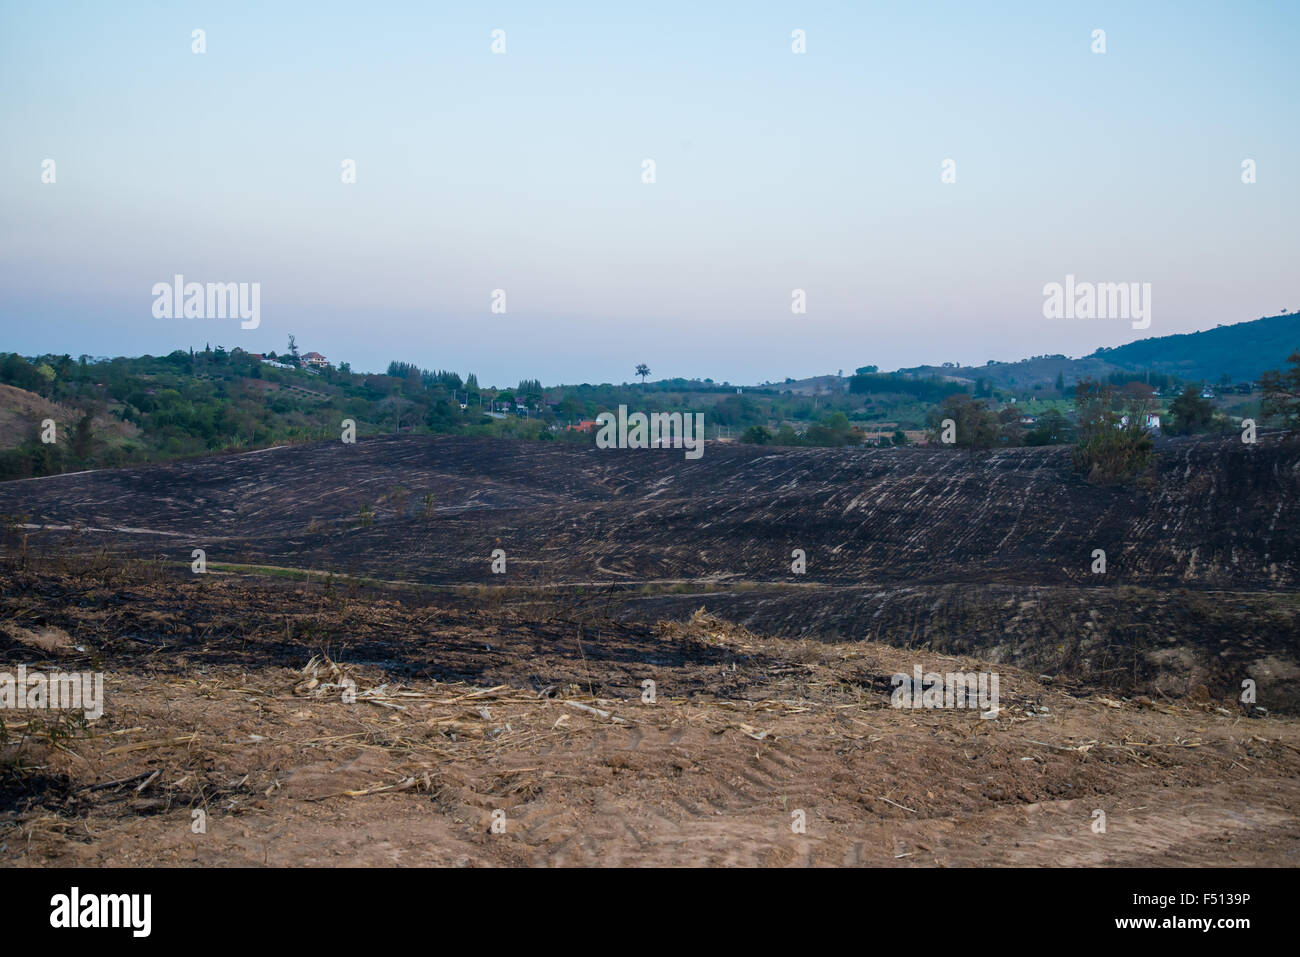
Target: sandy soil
(463, 713)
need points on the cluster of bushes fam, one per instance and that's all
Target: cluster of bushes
(931, 389)
(1113, 442)
(970, 424)
(1111, 437)
(831, 431)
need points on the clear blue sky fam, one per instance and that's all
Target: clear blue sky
(522, 171)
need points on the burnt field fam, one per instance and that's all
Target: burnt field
(226, 739)
(520, 699)
(1211, 514)
(919, 548)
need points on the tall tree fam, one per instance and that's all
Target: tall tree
(1191, 413)
(81, 437)
(1281, 389)
(975, 424)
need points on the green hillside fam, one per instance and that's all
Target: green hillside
(129, 411)
(1240, 351)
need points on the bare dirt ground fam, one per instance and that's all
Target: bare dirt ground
(227, 697)
(350, 683)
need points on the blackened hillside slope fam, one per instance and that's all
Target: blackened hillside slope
(1211, 514)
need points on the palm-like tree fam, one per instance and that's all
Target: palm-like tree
(642, 370)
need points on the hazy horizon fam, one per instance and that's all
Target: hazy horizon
(522, 171)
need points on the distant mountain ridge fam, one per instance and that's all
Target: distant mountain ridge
(1241, 351)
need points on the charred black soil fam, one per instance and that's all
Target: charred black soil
(991, 555)
(648, 682)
